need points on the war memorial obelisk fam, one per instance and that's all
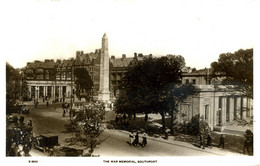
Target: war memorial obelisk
(104, 94)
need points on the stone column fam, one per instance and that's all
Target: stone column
(231, 109)
(38, 92)
(52, 92)
(238, 107)
(30, 91)
(44, 90)
(250, 106)
(215, 111)
(59, 92)
(223, 110)
(244, 107)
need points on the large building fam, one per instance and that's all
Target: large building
(217, 104)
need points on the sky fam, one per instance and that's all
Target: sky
(199, 30)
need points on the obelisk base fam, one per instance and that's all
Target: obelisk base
(104, 96)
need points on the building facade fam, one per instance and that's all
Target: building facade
(56, 80)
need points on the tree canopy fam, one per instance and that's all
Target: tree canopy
(87, 124)
(236, 69)
(153, 85)
(13, 80)
(83, 81)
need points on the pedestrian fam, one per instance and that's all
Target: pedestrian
(131, 136)
(21, 120)
(136, 141)
(12, 151)
(126, 124)
(124, 117)
(248, 145)
(64, 109)
(221, 141)
(117, 119)
(36, 103)
(47, 102)
(146, 117)
(144, 142)
(202, 140)
(209, 140)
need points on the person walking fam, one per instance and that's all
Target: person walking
(131, 136)
(64, 109)
(144, 142)
(221, 141)
(202, 140)
(209, 140)
(47, 102)
(136, 141)
(248, 145)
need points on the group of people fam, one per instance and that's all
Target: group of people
(65, 108)
(134, 140)
(205, 139)
(20, 141)
(122, 121)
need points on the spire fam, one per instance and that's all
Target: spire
(105, 35)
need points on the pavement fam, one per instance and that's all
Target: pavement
(116, 144)
(56, 113)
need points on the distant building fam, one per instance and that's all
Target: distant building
(56, 80)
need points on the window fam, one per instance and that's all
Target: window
(69, 75)
(193, 81)
(47, 75)
(186, 81)
(39, 74)
(58, 74)
(29, 74)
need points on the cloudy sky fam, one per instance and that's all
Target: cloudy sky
(199, 30)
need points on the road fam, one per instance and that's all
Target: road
(114, 142)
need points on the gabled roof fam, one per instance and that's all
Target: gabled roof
(39, 64)
(121, 62)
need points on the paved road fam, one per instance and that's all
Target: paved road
(114, 142)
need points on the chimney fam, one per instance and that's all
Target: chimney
(123, 56)
(37, 61)
(135, 55)
(58, 61)
(47, 60)
(150, 55)
(140, 55)
(113, 57)
(77, 53)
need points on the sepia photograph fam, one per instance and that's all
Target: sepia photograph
(129, 82)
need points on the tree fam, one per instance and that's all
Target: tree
(236, 69)
(87, 124)
(83, 82)
(13, 80)
(153, 85)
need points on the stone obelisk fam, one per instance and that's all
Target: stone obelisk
(104, 94)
